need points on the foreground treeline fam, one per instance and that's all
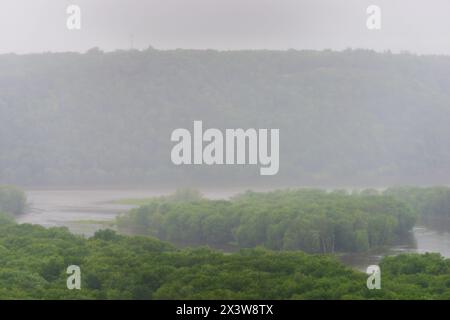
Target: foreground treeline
(310, 220)
(33, 263)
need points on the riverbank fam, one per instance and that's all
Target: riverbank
(86, 211)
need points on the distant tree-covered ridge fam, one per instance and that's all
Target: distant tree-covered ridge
(351, 117)
(310, 220)
(34, 260)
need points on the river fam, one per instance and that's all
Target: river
(85, 211)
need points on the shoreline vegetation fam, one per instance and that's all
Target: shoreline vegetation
(33, 259)
(311, 220)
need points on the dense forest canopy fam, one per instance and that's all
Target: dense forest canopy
(352, 117)
(34, 259)
(33, 263)
(306, 219)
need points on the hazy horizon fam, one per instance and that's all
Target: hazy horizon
(40, 26)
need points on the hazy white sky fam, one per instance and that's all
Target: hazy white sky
(421, 26)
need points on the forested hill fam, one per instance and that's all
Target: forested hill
(352, 117)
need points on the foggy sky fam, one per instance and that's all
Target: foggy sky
(417, 26)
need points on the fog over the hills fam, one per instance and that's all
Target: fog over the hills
(40, 25)
(254, 150)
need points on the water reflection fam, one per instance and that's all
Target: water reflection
(422, 239)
